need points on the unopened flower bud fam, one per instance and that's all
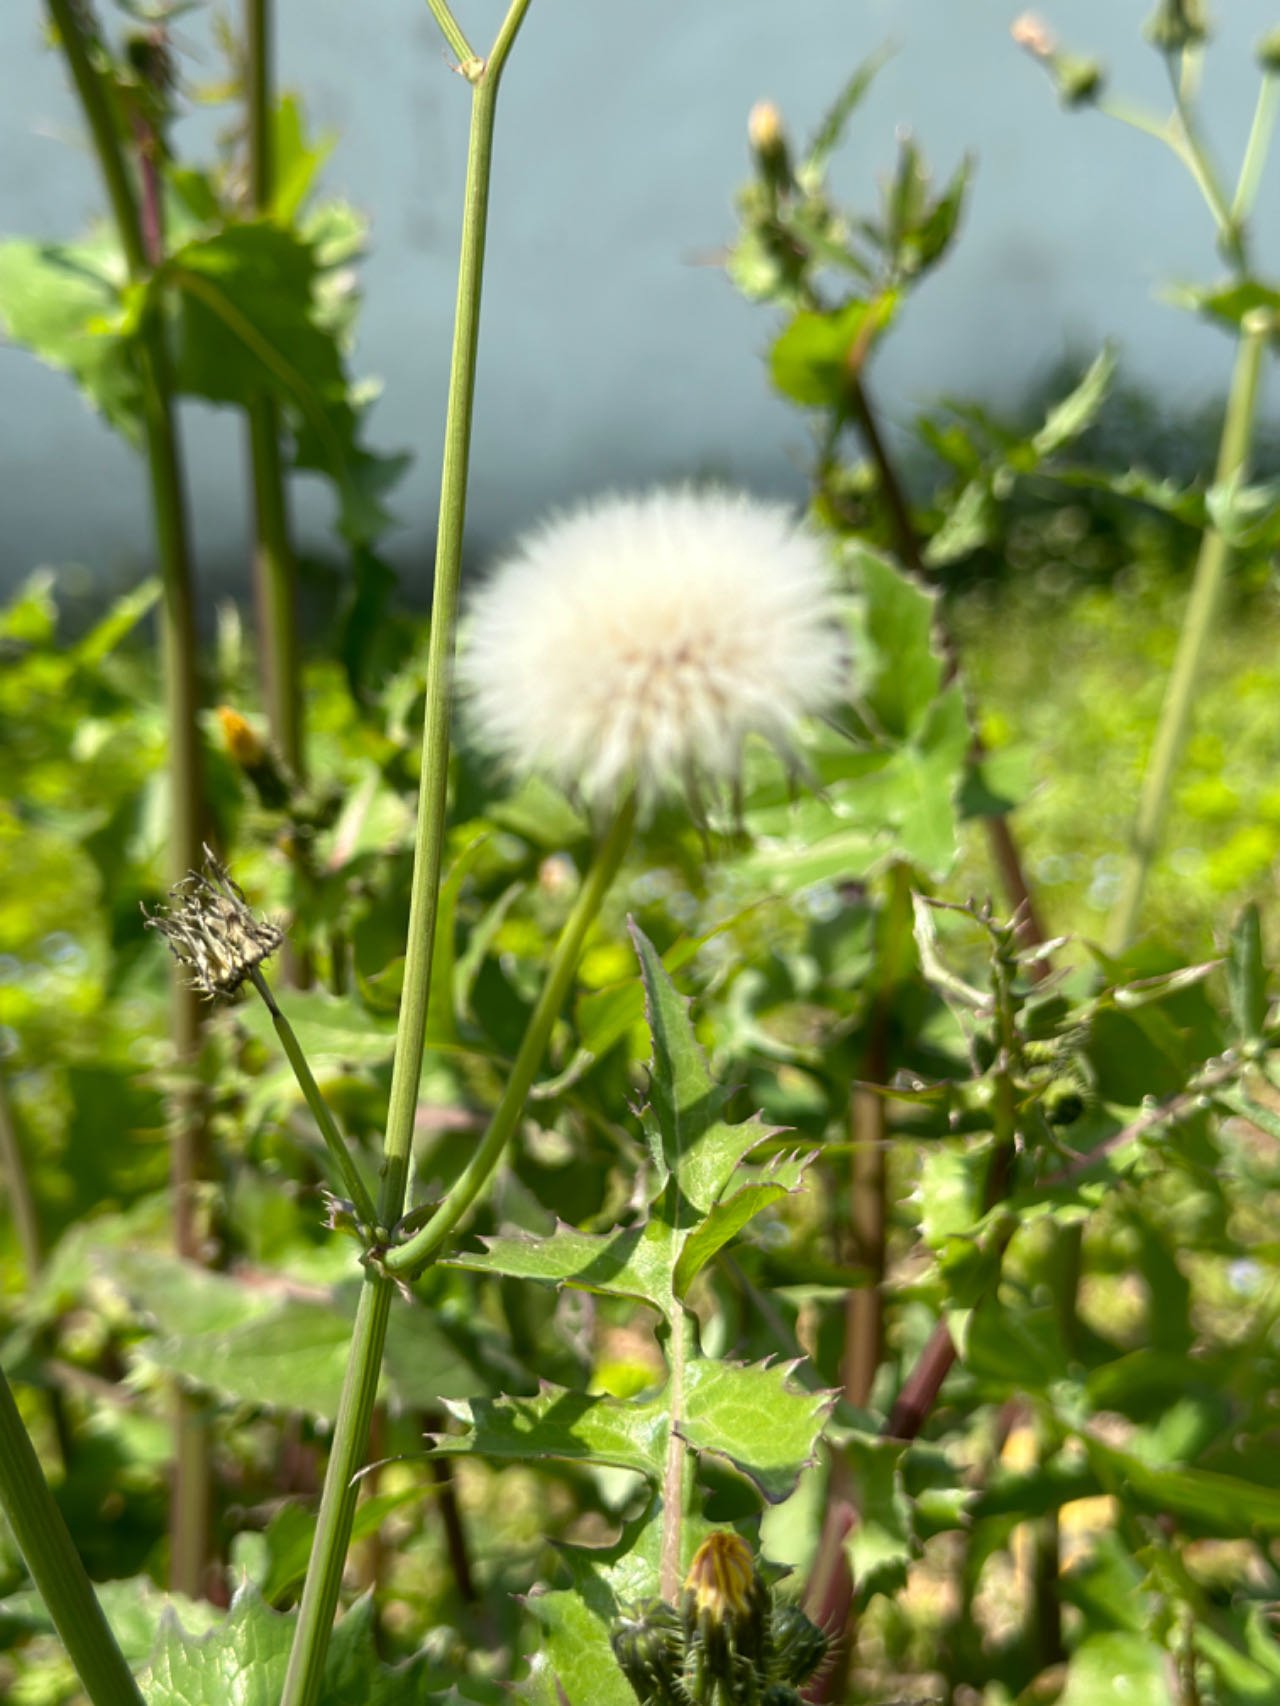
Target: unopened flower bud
(1269, 52)
(799, 1646)
(1079, 80)
(726, 1608)
(259, 763)
(648, 1647)
(768, 142)
(1177, 24)
(244, 743)
(1033, 34)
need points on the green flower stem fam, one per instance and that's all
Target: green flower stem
(364, 1360)
(1189, 145)
(345, 1169)
(451, 31)
(274, 566)
(59, 1576)
(416, 1252)
(1206, 594)
(1257, 148)
(189, 1513)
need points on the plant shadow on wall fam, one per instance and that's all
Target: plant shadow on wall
(591, 1208)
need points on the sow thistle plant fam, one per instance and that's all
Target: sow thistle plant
(919, 1230)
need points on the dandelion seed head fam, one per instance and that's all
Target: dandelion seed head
(638, 641)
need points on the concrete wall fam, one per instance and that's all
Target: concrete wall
(613, 349)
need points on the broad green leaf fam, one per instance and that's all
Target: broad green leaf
(332, 1030)
(1117, 1670)
(63, 302)
(261, 1344)
(816, 356)
(906, 666)
(135, 1609)
(242, 1659)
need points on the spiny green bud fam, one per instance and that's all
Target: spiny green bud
(799, 1646)
(1269, 52)
(648, 1646)
(1176, 24)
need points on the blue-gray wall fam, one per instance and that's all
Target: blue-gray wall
(613, 350)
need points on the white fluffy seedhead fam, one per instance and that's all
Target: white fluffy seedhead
(637, 641)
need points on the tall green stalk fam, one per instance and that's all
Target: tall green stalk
(189, 1514)
(351, 1429)
(1206, 595)
(45, 1542)
(274, 565)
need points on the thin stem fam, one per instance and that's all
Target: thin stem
(678, 1474)
(416, 1252)
(189, 1515)
(451, 31)
(22, 1202)
(347, 1171)
(1197, 159)
(1257, 148)
(275, 570)
(337, 1504)
(1206, 594)
(59, 1576)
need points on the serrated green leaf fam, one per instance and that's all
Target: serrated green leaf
(691, 1146)
(241, 1661)
(563, 1425)
(632, 1261)
(63, 302)
(906, 667)
(732, 1213)
(1077, 412)
(749, 1414)
(753, 1416)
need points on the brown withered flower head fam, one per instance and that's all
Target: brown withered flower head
(211, 930)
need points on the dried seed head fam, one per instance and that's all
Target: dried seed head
(211, 930)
